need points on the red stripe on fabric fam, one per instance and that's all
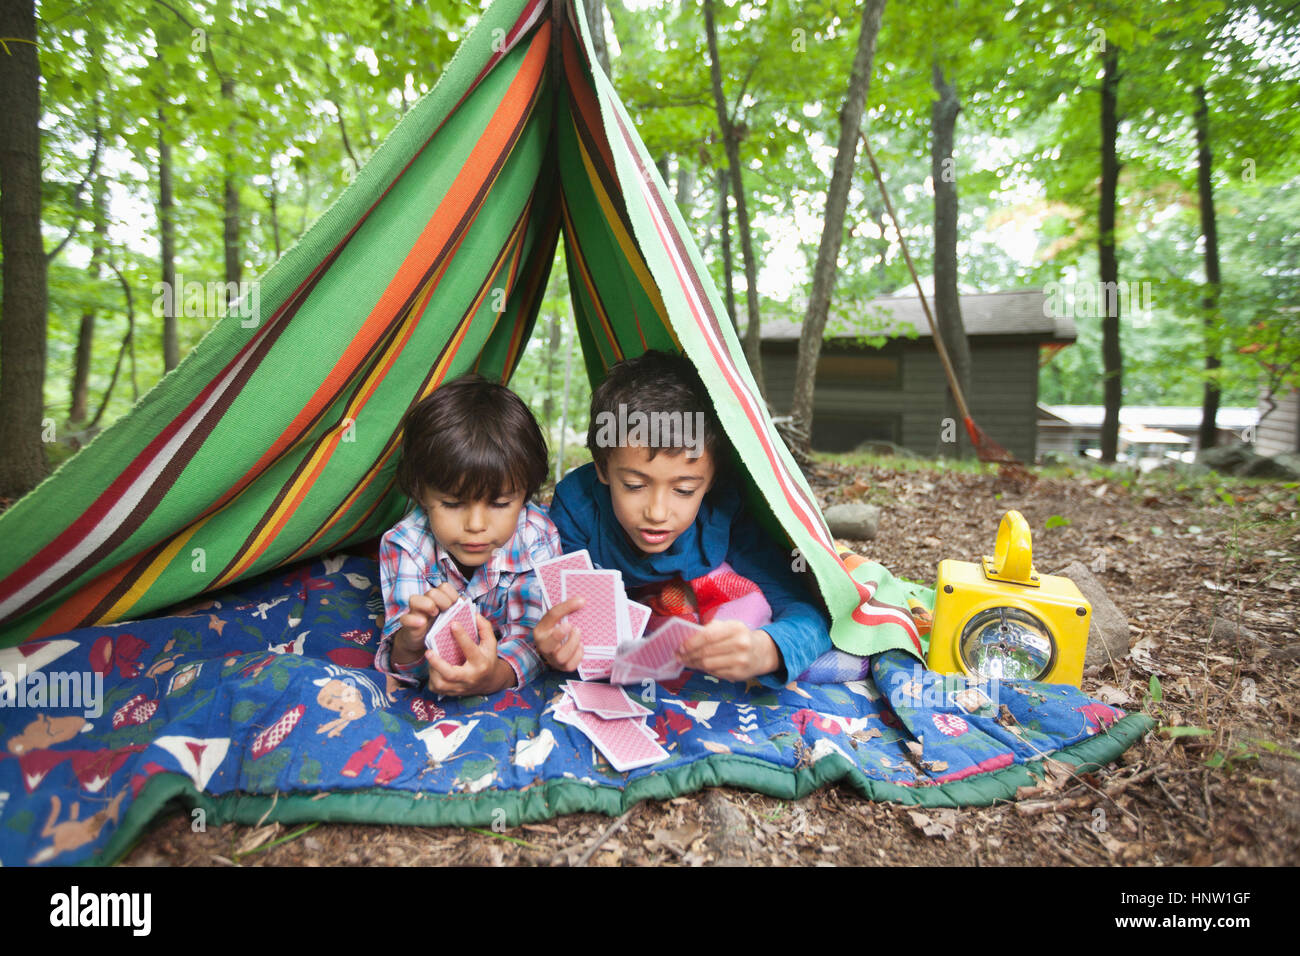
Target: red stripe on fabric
(984, 766)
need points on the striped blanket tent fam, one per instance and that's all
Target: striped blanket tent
(275, 439)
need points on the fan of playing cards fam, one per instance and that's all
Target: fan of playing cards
(614, 722)
(611, 625)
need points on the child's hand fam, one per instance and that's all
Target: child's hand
(559, 643)
(731, 651)
(408, 641)
(482, 673)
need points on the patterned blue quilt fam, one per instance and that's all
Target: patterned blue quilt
(263, 700)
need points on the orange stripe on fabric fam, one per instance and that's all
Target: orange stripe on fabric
(429, 247)
(321, 455)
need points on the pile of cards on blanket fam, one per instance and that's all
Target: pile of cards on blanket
(614, 722)
(610, 624)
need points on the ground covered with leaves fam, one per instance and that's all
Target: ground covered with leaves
(1205, 569)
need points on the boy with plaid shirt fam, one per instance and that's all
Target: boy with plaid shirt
(472, 457)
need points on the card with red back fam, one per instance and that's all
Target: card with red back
(565, 711)
(638, 616)
(548, 572)
(656, 656)
(626, 742)
(598, 619)
(594, 668)
(604, 700)
(440, 638)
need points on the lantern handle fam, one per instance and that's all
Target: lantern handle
(1013, 555)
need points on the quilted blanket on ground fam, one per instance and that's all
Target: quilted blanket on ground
(260, 703)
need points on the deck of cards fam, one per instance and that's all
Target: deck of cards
(440, 638)
(608, 620)
(613, 721)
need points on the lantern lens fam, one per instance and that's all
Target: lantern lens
(1008, 644)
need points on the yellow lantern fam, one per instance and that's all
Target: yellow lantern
(1001, 619)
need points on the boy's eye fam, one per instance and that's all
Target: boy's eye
(685, 492)
(450, 504)
(504, 503)
(632, 487)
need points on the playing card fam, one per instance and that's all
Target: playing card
(598, 619)
(626, 742)
(566, 710)
(604, 700)
(592, 667)
(548, 572)
(638, 616)
(654, 658)
(439, 636)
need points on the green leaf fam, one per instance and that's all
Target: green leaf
(1173, 732)
(1056, 521)
(1157, 692)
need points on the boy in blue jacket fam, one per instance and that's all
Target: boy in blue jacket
(657, 504)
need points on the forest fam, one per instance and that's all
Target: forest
(1135, 161)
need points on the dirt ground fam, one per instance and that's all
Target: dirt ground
(1177, 555)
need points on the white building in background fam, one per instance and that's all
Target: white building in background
(1154, 432)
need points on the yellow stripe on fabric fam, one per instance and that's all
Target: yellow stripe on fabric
(625, 242)
(512, 248)
(122, 608)
(306, 477)
(580, 263)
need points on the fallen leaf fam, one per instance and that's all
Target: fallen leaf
(1110, 694)
(942, 824)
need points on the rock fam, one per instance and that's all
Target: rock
(1227, 459)
(1108, 632)
(1264, 467)
(856, 521)
(1289, 459)
(729, 837)
(1190, 469)
(1228, 632)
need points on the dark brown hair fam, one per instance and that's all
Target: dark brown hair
(472, 439)
(662, 384)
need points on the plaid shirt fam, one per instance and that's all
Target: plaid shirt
(504, 589)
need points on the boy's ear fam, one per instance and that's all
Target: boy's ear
(600, 473)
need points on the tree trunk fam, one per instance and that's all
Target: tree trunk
(828, 251)
(1210, 229)
(724, 217)
(167, 225)
(22, 333)
(552, 352)
(685, 187)
(596, 24)
(1112, 360)
(86, 337)
(234, 263)
(274, 199)
(753, 327)
(947, 305)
